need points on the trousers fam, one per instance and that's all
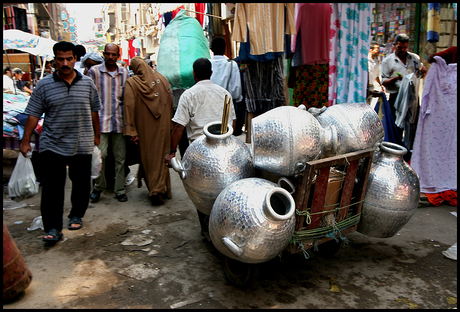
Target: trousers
(119, 153)
(53, 187)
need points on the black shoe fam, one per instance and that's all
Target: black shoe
(122, 198)
(95, 195)
(157, 200)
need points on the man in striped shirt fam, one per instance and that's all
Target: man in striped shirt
(70, 130)
(110, 79)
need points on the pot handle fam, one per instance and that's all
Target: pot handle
(177, 166)
(232, 246)
(286, 180)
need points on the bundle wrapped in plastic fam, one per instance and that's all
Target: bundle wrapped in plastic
(182, 42)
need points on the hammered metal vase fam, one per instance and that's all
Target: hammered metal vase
(252, 220)
(211, 163)
(392, 194)
(285, 138)
(358, 127)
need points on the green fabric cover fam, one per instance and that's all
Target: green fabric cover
(182, 42)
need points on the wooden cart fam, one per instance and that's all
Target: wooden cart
(319, 226)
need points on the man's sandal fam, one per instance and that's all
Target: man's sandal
(75, 220)
(56, 236)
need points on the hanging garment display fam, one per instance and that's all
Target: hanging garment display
(266, 25)
(264, 85)
(333, 49)
(353, 47)
(200, 7)
(314, 21)
(434, 156)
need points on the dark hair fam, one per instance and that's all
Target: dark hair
(80, 51)
(64, 46)
(202, 68)
(373, 44)
(6, 69)
(403, 38)
(218, 46)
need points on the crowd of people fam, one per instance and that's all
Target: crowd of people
(98, 101)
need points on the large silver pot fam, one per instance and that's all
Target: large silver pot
(285, 138)
(252, 220)
(358, 127)
(392, 194)
(211, 163)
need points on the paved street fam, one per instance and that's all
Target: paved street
(135, 255)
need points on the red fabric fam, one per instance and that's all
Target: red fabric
(200, 7)
(131, 49)
(450, 55)
(437, 199)
(450, 196)
(313, 21)
(174, 13)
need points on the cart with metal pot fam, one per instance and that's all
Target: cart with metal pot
(328, 205)
(323, 156)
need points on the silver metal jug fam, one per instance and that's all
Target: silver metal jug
(358, 126)
(252, 220)
(285, 138)
(211, 163)
(392, 194)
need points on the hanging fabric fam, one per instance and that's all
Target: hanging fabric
(266, 25)
(434, 156)
(216, 22)
(264, 85)
(167, 18)
(314, 20)
(131, 50)
(174, 12)
(333, 49)
(434, 22)
(353, 47)
(209, 11)
(201, 8)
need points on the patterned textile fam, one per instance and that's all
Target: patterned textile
(354, 25)
(311, 85)
(333, 49)
(434, 156)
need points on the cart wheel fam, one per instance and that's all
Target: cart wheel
(329, 248)
(238, 273)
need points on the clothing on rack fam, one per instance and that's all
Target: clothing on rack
(264, 83)
(434, 156)
(265, 23)
(314, 20)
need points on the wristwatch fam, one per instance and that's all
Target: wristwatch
(171, 151)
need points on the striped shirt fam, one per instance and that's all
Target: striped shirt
(67, 126)
(111, 93)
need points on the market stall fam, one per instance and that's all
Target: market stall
(14, 105)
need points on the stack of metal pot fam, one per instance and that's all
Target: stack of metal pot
(252, 219)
